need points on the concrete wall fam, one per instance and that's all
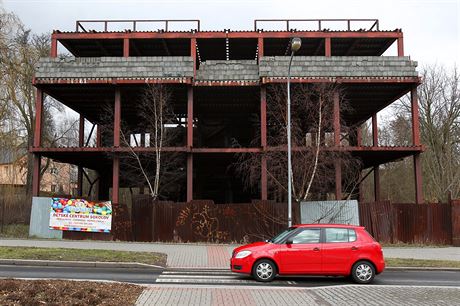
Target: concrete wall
(338, 66)
(340, 212)
(116, 67)
(40, 219)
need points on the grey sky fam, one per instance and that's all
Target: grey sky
(431, 28)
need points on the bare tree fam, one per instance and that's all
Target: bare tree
(313, 155)
(439, 103)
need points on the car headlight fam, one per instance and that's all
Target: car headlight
(243, 254)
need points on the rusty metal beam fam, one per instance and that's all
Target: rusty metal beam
(327, 46)
(117, 118)
(116, 179)
(99, 136)
(126, 47)
(263, 116)
(375, 131)
(418, 179)
(189, 177)
(415, 117)
(338, 179)
(400, 46)
(36, 177)
(38, 118)
(53, 50)
(336, 118)
(376, 183)
(236, 34)
(189, 116)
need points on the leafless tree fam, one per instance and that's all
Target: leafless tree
(439, 103)
(313, 155)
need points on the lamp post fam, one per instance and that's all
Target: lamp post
(295, 46)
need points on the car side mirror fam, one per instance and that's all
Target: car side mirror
(289, 241)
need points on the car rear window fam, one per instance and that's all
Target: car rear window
(340, 235)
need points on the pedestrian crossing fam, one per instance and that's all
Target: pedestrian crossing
(211, 276)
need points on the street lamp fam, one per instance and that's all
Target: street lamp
(295, 46)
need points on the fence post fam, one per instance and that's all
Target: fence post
(455, 213)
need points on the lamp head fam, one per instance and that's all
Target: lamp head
(296, 42)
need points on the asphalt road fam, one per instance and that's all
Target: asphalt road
(220, 277)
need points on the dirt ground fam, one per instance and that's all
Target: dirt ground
(62, 292)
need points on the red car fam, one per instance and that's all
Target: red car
(313, 249)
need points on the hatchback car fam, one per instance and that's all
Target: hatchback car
(313, 249)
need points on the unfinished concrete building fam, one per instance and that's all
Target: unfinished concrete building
(218, 81)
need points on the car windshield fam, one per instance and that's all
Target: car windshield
(280, 237)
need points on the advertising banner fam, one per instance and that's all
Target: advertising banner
(80, 215)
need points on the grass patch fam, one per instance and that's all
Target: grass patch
(15, 231)
(62, 292)
(151, 258)
(409, 262)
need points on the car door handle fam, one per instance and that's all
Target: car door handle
(316, 250)
(353, 248)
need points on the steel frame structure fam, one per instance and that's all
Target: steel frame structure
(326, 38)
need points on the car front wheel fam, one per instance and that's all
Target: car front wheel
(363, 272)
(264, 270)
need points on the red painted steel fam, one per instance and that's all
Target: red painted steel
(344, 80)
(117, 118)
(260, 47)
(189, 116)
(338, 179)
(327, 46)
(400, 46)
(114, 81)
(38, 118)
(189, 177)
(126, 47)
(418, 179)
(53, 50)
(263, 178)
(263, 116)
(415, 117)
(223, 34)
(81, 131)
(377, 183)
(99, 136)
(375, 131)
(116, 179)
(374, 23)
(336, 118)
(36, 175)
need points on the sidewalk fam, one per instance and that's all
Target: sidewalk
(181, 255)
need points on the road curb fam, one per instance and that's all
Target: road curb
(96, 264)
(137, 265)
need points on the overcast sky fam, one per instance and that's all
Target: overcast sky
(431, 27)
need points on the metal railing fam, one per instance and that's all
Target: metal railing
(133, 23)
(374, 23)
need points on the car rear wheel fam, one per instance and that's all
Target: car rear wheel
(363, 272)
(264, 270)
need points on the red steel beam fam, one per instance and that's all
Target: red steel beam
(327, 46)
(193, 55)
(99, 136)
(375, 131)
(343, 80)
(263, 179)
(81, 131)
(263, 116)
(418, 179)
(53, 50)
(126, 47)
(359, 136)
(338, 180)
(189, 177)
(189, 116)
(36, 175)
(336, 118)
(260, 48)
(400, 46)
(415, 117)
(223, 34)
(117, 118)
(38, 118)
(112, 81)
(116, 180)
(376, 183)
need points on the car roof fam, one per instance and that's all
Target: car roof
(328, 225)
